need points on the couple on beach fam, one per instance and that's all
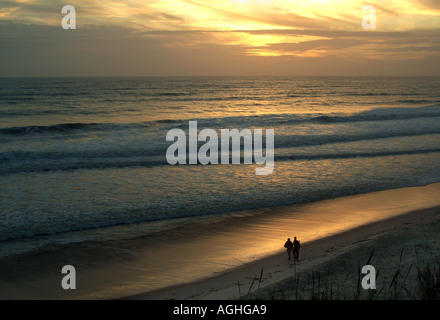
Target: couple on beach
(292, 247)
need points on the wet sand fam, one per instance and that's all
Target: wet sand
(333, 226)
(415, 235)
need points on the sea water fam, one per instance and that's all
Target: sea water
(85, 158)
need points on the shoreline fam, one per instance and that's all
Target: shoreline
(276, 269)
(208, 261)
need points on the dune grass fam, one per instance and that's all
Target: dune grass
(420, 280)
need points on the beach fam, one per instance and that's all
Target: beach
(399, 243)
(220, 260)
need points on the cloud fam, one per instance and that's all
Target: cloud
(215, 37)
(430, 4)
(326, 44)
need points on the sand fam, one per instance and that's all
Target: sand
(402, 243)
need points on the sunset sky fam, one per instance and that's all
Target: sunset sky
(235, 37)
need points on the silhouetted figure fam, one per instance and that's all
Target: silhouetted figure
(296, 246)
(289, 246)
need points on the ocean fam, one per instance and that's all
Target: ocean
(83, 159)
(85, 154)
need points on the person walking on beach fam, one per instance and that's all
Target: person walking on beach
(289, 246)
(296, 246)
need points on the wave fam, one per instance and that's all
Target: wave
(168, 121)
(52, 128)
(390, 114)
(378, 114)
(318, 140)
(355, 155)
(414, 101)
(69, 127)
(25, 162)
(370, 94)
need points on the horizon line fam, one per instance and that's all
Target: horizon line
(213, 76)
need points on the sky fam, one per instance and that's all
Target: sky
(220, 38)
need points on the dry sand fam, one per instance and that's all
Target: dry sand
(399, 243)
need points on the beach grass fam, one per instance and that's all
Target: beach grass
(418, 280)
(406, 260)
